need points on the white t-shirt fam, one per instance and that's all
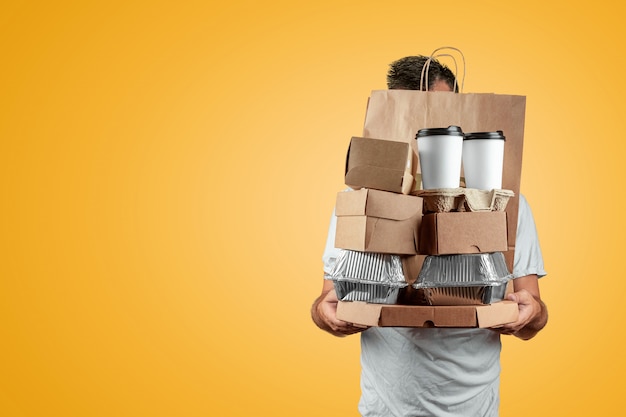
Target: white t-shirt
(437, 372)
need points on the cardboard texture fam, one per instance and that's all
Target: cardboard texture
(378, 221)
(382, 315)
(399, 114)
(463, 232)
(381, 164)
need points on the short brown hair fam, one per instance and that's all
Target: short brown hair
(405, 73)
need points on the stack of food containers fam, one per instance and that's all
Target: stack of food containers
(476, 274)
(379, 224)
(377, 221)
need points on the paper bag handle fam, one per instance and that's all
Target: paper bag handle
(426, 67)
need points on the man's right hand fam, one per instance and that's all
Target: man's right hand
(324, 313)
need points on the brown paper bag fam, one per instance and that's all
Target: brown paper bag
(399, 114)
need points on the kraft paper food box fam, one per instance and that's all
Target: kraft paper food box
(378, 221)
(381, 164)
(384, 315)
(463, 232)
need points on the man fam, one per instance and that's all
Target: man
(436, 371)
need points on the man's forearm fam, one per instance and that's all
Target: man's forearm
(315, 314)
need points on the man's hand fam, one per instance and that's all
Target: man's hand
(533, 314)
(324, 314)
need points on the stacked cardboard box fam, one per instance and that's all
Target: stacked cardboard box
(385, 214)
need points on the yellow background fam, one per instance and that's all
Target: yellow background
(168, 172)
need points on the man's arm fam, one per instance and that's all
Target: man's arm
(324, 313)
(533, 313)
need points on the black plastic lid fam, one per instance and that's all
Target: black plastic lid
(485, 135)
(439, 131)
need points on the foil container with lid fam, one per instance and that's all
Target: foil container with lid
(463, 279)
(367, 276)
(463, 270)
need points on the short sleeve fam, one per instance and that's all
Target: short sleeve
(330, 251)
(528, 258)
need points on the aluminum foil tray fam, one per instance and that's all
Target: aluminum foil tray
(366, 276)
(371, 293)
(466, 270)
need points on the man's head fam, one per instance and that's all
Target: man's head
(405, 74)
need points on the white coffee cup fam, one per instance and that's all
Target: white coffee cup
(483, 159)
(440, 154)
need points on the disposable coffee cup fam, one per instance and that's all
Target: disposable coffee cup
(483, 159)
(440, 154)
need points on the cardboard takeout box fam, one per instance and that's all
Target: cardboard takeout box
(383, 315)
(381, 164)
(378, 221)
(463, 232)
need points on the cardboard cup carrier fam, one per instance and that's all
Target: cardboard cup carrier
(483, 159)
(440, 155)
